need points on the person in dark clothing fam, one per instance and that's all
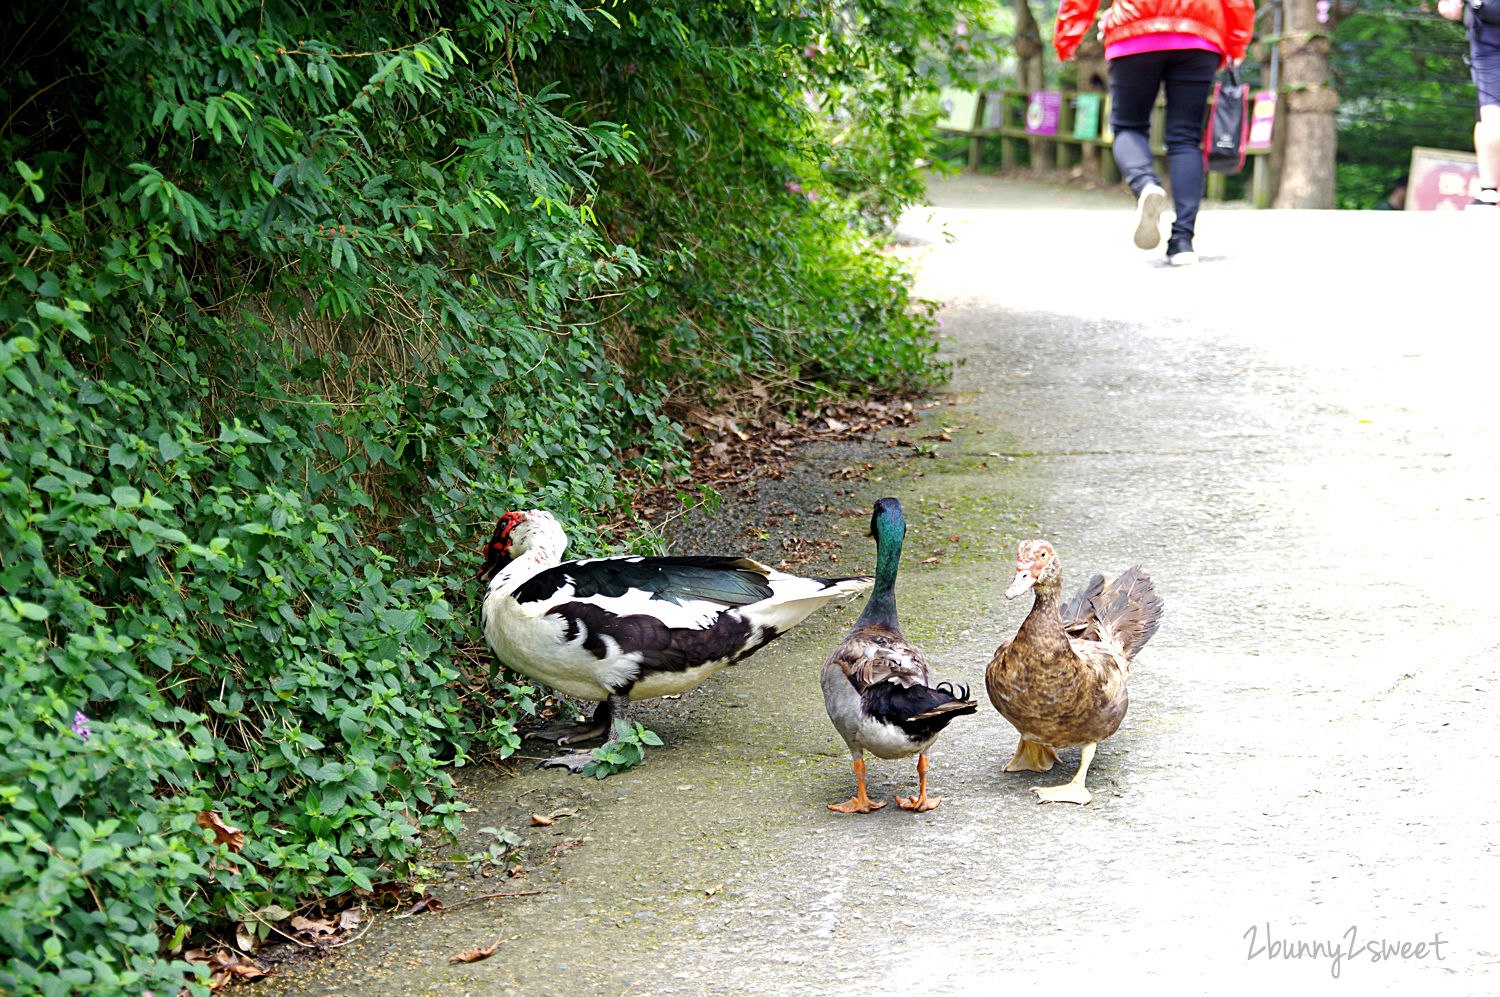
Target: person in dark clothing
(1151, 44)
(1483, 26)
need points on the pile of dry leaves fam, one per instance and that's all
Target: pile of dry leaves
(731, 454)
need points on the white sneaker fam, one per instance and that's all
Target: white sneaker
(1186, 258)
(1148, 210)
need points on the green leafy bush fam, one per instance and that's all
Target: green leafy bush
(625, 752)
(293, 304)
(1402, 82)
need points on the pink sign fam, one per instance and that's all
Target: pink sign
(1262, 120)
(1441, 180)
(1042, 112)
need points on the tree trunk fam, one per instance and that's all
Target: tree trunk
(1029, 73)
(1093, 77)
(1307, 175)
(1028, 47)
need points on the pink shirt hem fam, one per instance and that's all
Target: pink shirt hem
(1157, 42)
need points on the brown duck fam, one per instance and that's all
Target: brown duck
(1060, 680)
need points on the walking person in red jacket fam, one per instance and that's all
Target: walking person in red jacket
(1151, 43)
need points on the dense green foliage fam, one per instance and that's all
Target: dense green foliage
(294, 303)
(1402, 82)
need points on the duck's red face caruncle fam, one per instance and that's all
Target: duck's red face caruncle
(1032, 558)
(497, 553)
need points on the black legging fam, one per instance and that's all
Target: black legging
(1134, 81)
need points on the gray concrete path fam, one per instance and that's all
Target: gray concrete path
(1297, 440)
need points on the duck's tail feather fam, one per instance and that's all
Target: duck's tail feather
(921, 711)
(1128, 611)
(846, 586)
(1078, 615)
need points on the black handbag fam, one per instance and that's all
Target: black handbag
(1228, 124)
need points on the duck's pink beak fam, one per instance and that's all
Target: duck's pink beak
(1025, 578)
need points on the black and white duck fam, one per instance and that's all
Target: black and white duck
(614, 629)
(876, 684)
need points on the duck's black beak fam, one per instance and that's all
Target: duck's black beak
(496, 557)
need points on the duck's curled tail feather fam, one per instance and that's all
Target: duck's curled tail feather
(921, 711)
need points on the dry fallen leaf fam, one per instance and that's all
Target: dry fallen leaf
(247, 971)
(428, 902)
(537, 820)
(223, 833)
(563, 846)
(312, 927)
(223, 966)
(474, 955)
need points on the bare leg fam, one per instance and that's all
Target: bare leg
(861, 802)
(921, 803)
(1487, 145)
(1073, 792)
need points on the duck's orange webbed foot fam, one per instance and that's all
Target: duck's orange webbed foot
(857, 805)
(921, 803)
(860, 802)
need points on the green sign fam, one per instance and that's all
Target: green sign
(1086, 116)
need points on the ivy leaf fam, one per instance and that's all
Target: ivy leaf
(126, 496)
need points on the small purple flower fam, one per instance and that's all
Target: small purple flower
(1324, 6)
(81, 725)
(793, 186)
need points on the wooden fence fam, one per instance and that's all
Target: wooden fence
(1000, 115)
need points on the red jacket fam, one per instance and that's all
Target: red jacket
(1226, 23)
